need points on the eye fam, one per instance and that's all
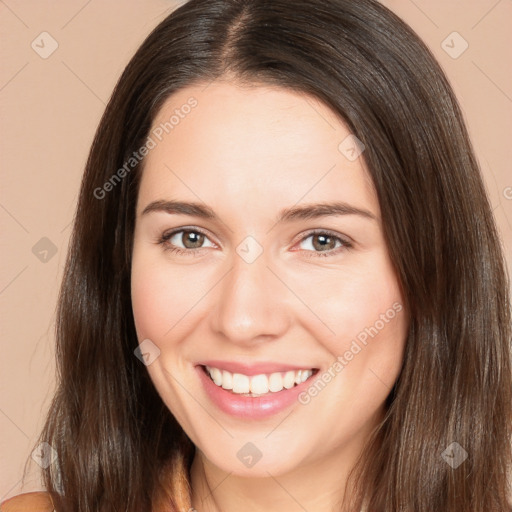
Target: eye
(191, 241)
(321, 243)
(324, 243)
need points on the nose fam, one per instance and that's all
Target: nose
(253, 304)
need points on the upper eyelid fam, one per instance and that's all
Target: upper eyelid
(319, 231)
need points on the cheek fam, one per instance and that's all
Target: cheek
(161, 303)
(162, 298)
(169, 302)
(150, 297)
(368, 325)
(352, 302)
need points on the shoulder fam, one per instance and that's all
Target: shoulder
(30, 501)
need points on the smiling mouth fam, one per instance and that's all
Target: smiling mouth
(258, 385)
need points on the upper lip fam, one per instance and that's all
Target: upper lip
(254, 368)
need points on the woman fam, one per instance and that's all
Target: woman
(284, 288)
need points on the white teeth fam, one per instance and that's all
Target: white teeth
(289, 380)
(257, 385)
(240, 383)
(275, 382)
(227, 380)
(216, 376)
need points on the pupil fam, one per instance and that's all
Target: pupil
(193, 238)
(324, 241)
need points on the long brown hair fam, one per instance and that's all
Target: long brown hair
(118, 446)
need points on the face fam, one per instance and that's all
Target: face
(273, 328)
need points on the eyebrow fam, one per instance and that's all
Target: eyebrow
(308, 211)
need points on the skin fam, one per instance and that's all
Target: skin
(247, 153)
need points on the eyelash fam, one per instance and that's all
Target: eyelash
(166, 236)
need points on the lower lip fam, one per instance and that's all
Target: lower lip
(257, 407)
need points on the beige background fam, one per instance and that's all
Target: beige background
(50, 109)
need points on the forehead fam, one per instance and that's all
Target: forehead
(222, 142)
